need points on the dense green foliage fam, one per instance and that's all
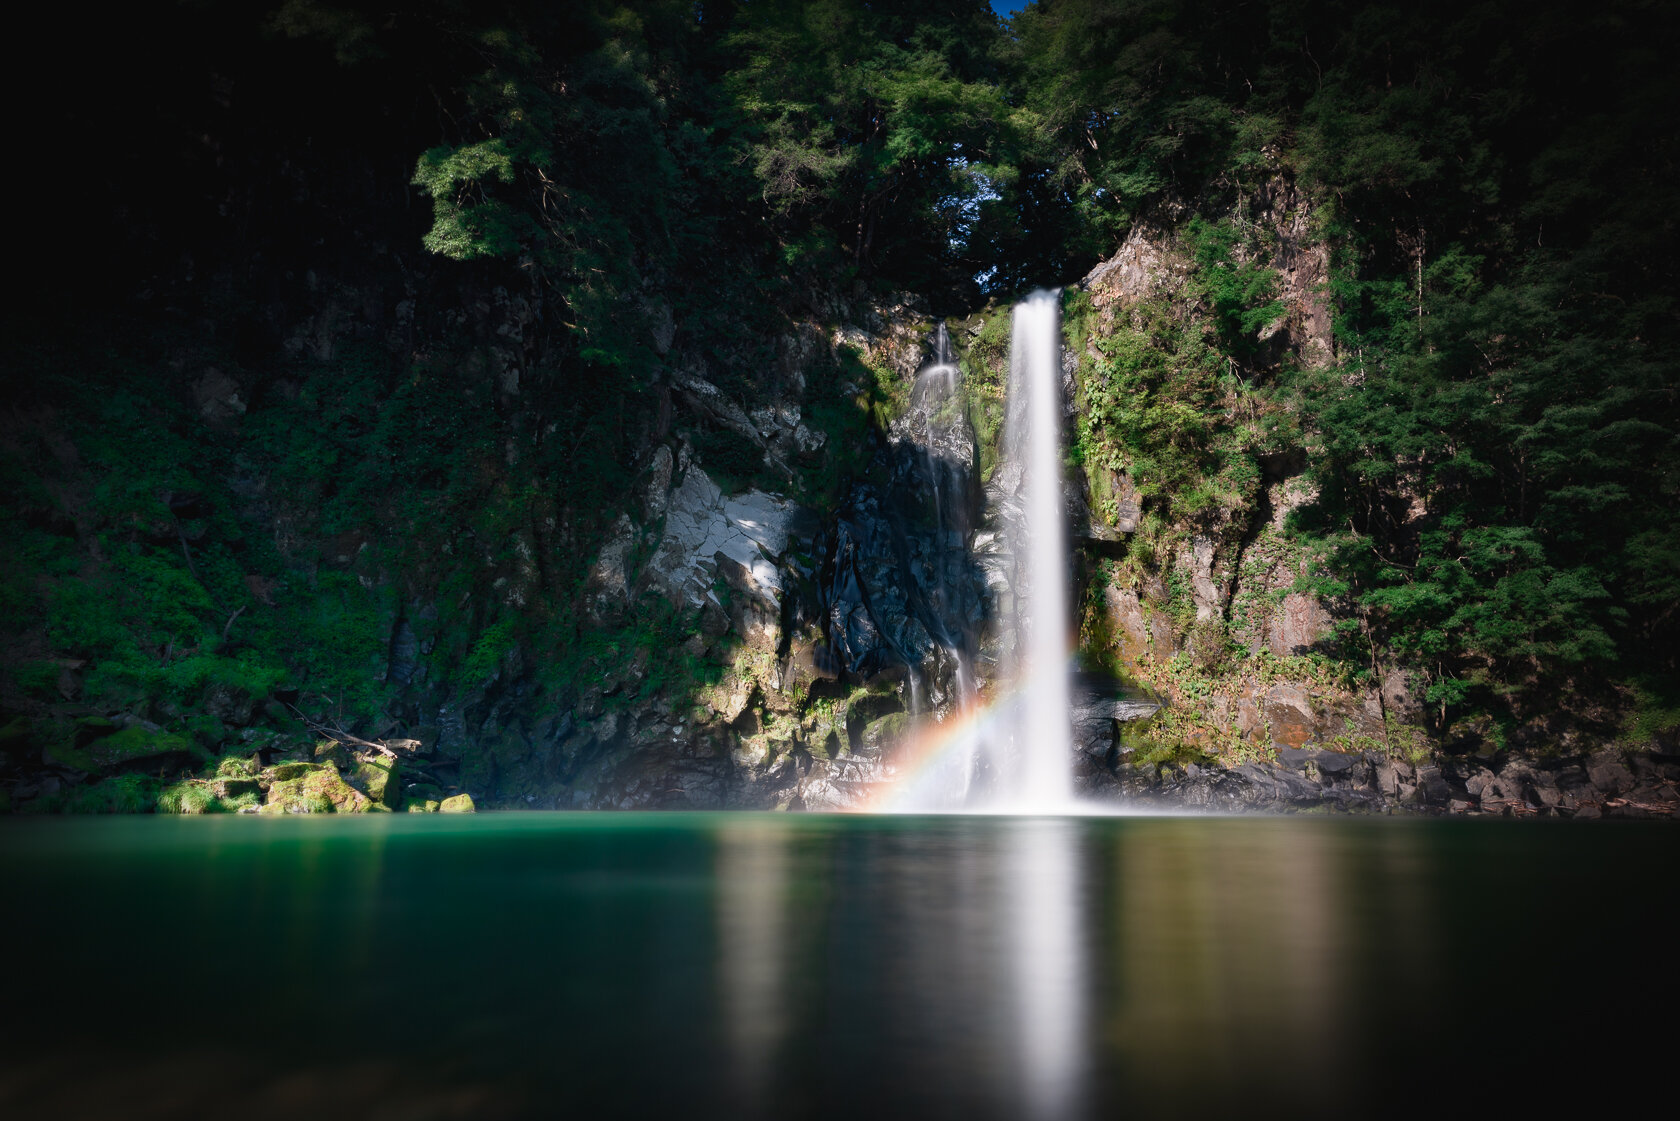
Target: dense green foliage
(452, 272)
(1498, 441)
(1495, 442)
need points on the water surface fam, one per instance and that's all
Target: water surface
(512, 965)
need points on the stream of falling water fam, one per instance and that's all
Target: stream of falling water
(1043, 782)
(1023, 739)
(935, 395)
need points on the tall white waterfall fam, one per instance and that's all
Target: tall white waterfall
(1043, 782)
(1007, 749)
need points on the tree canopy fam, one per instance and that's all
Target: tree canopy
(1495, 440)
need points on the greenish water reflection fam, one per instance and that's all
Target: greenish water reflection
(789, 966)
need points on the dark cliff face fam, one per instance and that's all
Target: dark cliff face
(283, 478)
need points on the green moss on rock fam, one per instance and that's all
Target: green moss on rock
(190, 796)
(236, 787)
(379, 778)
(238, 766)
(312, 788)
(134, 744)
(458, 804)
(883, 732)
(331, 751)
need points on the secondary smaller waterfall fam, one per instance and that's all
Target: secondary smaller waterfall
(938, 423)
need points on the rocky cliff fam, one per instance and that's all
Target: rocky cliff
(411, 539)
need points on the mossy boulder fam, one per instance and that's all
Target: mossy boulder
(457, 804)
(234, 788)
(298, 788)
(135, 744)
(331, 751)
(378, 777)
(880, 734)
(190, 796)
(238, 767)
(421, 805)
(92, 728)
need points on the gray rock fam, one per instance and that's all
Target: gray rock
(1199, 561)
(1334, 762)
(1433, 789)
(1296, 758)
(609, 577)
(1299, 623)
(217, 397)
(808, 440)
(708, 535)
(1607, 771)
(1097, 705)
(656, 490)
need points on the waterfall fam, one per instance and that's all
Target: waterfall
(1043, 781)
(1015, 753)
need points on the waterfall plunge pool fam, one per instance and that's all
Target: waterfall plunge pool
(755, 965)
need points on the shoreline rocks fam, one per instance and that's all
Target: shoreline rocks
(1608, 783)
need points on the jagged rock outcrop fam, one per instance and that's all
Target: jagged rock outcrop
(1231, 573)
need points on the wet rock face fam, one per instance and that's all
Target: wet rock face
(902, 586)
(1099, 705)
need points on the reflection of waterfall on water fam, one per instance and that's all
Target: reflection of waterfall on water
(1049, 967)
(752, 875)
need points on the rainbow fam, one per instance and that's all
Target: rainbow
(921, 754)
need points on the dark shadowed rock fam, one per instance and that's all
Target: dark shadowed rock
(1098, 706)
(1608, 772)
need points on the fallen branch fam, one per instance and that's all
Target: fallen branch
(342, 736)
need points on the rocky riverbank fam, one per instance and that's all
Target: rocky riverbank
(136, 767)
(1608, 783)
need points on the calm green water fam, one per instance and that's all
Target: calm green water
(790, 966)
